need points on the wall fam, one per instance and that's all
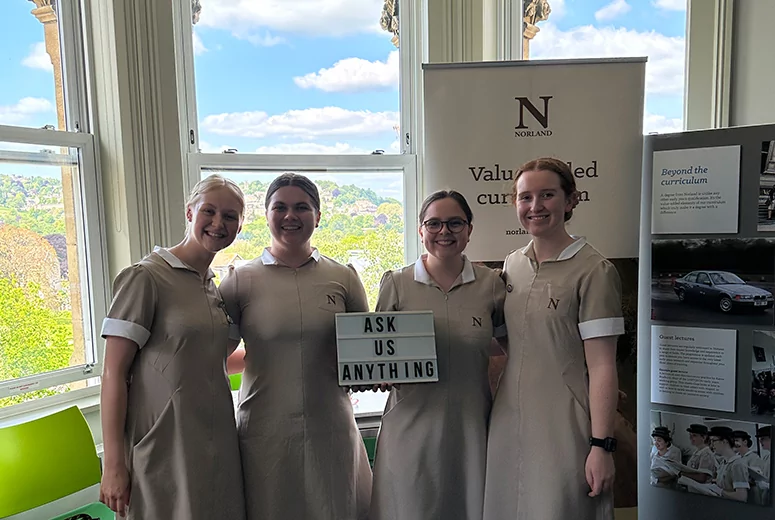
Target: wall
(753, 66)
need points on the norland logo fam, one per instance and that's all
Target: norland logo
(540, 117)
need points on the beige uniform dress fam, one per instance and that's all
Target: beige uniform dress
(303, 457)
(540, 423)
(733, 474)
(703, 459)
(431, 448)
(182, 449)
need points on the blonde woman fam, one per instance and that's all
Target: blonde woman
(171, 449)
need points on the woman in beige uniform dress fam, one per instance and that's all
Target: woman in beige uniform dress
(302, 454)
(171, 447)
(559, 388)
(432, 444)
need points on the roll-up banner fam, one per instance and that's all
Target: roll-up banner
(484, 120)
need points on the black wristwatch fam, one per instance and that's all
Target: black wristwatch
(608, 444)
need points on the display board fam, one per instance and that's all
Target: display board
(706, 349)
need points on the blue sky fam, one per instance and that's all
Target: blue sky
(321, 76)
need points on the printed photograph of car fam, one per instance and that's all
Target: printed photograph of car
(725, 290)
(713, 281)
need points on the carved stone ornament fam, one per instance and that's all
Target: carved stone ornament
(389, 19)
(536, 11)
(196, 10)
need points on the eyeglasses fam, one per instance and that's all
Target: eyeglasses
(454, 225)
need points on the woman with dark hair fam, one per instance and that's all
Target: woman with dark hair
(302, 453)
(552, 425)
(702, 461)
(431, 448)
(663, 449)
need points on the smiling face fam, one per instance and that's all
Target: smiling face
(660, 443)
(697, 440)
(445, 243)
(291, 217)
(542, 203)
(215, 219)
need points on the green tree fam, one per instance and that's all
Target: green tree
(33, 337)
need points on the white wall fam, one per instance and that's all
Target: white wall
(753, 63)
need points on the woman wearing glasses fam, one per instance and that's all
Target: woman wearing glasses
(431, 447)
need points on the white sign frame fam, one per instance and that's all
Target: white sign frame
(406, 352)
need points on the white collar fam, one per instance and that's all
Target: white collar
(177, 263)
(567, 253)
(732, 458)
(268, 258)
(421, 274)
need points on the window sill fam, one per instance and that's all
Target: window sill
(87, 399)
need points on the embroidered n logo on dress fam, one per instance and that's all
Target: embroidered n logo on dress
(476, 321)
(553, 303)
(331, 299)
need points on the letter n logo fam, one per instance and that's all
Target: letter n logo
(331, 299)
(476, 321)
(541, 118)
(553, 304)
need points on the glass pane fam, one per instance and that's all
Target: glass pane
(653, 28)
(302, 77)
(41, 312)
(361, 223)
(31, 93)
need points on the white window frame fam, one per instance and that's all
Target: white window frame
(95, 283)
(412, 53)
(92, 265)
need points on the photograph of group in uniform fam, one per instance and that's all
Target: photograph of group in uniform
(763, 373)
(711, 456)
(714, 280)
(766, 204)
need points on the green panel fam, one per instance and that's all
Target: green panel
(371, 446)
(46, 459)
(95, 510)
(236, 381)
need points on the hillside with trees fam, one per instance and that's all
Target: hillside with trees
(36, 335)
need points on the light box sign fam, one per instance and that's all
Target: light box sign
(386, 347)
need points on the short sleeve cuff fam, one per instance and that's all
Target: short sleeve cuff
(601, 327)
(500, 331)
(125, 329)
(741, 485)
(234, 333)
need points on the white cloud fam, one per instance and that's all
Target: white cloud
(309, 123)
(354, 75)
(670, 5)
(665, 68)
(312, 148)
(558, 9)
(38, 58)
(310, 17)
(262, 40)
(654, 123)
(199, 46)
(18, 113)
(613, 10)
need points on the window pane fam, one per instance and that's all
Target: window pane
(301, 77)
(41, 312)
(653, 28)
(361, 223)
(31, 93)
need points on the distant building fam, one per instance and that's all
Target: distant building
(223, 261)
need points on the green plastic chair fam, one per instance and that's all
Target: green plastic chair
(235, 380)
(48, 466)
